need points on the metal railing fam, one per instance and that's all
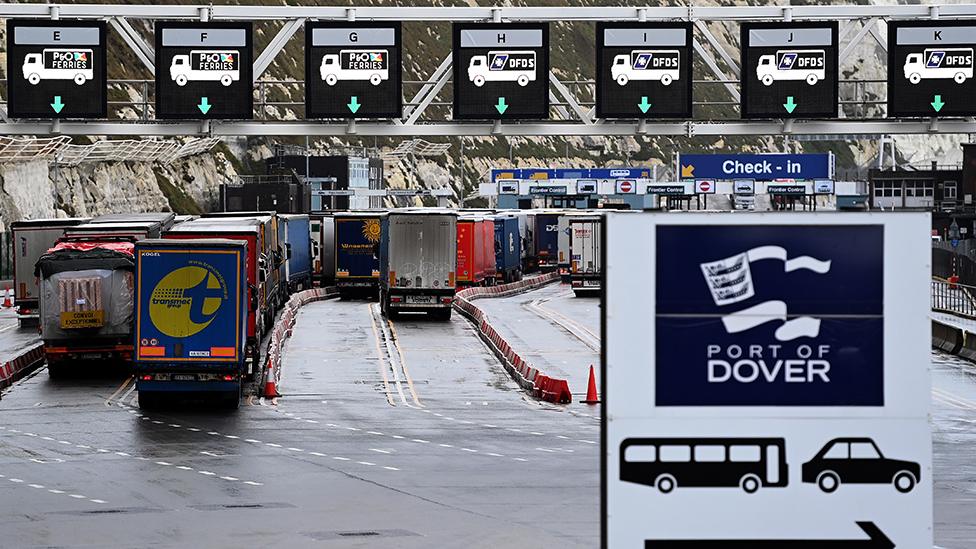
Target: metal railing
(61, 151)
(953, 298)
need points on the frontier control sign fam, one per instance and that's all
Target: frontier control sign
(780, 371)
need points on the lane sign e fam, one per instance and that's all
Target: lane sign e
(56, 69)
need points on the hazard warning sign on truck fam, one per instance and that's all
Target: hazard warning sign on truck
(644, 70)
(56, 69)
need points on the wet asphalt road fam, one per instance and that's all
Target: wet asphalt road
(437, 448)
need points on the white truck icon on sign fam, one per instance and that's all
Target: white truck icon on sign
(59, 64)
(206, 66)
(372, 65)
(502, 66)
(660, 65)
(806, 65)
(944, 63)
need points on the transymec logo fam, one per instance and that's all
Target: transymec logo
(187, 300)
(771, 316)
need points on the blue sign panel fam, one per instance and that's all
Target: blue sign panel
(571, 173)
(770, 316)
(761, 167)
(620, 173)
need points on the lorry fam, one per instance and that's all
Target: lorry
(206, 66)
(190, 333)
(527, 227)
(85, 301)
(503, 66)
(298, 251)
(472, 246)
(547, 240)
(372, 65)
(31, 239)
(322, 226)
(418, 262)
(508, 260)
(272, 247)
(939, 63)
(357, 261)
(59, 64)
(134, 226)
(260, 314)
(655, 65)
(585, 261)
(808, 65)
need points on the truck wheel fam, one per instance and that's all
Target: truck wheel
(180, 80)
(523, 80)
(54, 370)
(959, 78)
(914, 78)
(666, 79)
(331, 79)
(767, 79)
(375, 79)
(479, 81)
(232, 400)
(812, 79)
(622, 80)
(226, 80)
(80, 79)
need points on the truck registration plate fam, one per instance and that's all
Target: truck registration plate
(184, 377)
(591, 283)
(420, 299)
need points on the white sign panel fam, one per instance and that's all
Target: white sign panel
(787, 402)
(705, 186)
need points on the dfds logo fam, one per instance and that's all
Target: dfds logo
(187, 300)
(765, 316)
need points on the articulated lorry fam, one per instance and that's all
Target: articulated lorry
(508, 260)
(585, 267)
(298, 251)
(547, 240)
(418, 262)
(357, 262)
(30, 240)
(191, 319)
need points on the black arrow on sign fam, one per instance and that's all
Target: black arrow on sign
(876, 540)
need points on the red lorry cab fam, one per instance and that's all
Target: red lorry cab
(471, 251)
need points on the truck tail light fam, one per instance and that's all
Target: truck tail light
(396, 299)
(146, 377)
(228, 377)
(447, 299)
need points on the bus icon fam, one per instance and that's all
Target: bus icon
(58, 64)
(657, 65)
(369, 65)
(808, 65)
(945, 63)
(669, 463)
(206, 66)
(502, 66)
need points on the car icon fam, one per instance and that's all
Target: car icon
(858, 461)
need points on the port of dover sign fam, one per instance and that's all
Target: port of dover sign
(770, 387)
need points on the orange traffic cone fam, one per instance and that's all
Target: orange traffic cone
(270, 387)
(8, 298)
(591, 396)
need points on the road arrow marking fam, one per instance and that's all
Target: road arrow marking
(501, 106)
(876, 540)
(938, 103)
(57, 105)
(789, 105)
(354, 104)
(204, 105)
(688, 171)
(644, 105)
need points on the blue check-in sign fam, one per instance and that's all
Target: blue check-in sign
(760, 167)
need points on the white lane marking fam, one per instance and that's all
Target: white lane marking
(446, 445)
(353, 429)
(493, 454)
(520, 459)
(420, 440)
(17, 480)
(253, 441)
(489, 425)
(252, 483)
(514, 430)
(231, 436)
(83, 446)
(340, 458)
(47, 438)
(175, 425)
(36, 485)
(272, 444)
(97, 501)
(380, 451)
(390, 468)
(365, 463)
(230, 478)
(295, 449)
(310, 421)
(157, 422)
(319, 454)
(562, 437)
(586, 441)
(184, 468)
(77, 496)
(397, 437)
(123, 454)
(537, 433)
(53, 491)
(470, 450)
(208, 473)
(375, 433)
(163, 463)
(194, 429)
(213, 433)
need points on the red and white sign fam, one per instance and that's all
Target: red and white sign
(626, 186)
(705, 186)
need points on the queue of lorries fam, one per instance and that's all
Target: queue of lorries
(186, 300)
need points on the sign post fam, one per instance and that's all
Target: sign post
(56, 69)
(644, 70)
(352, 70)
(761, 391)
(930, 68)
(501, 71)
(789, 70)
(203, 70)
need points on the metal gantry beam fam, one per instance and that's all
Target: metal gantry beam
(577, 117)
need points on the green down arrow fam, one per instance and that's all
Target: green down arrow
(501, 107)
(204, 105)
(938, 103)
(57, 105)
(644, 105)
(354, 104)
(790, 106)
